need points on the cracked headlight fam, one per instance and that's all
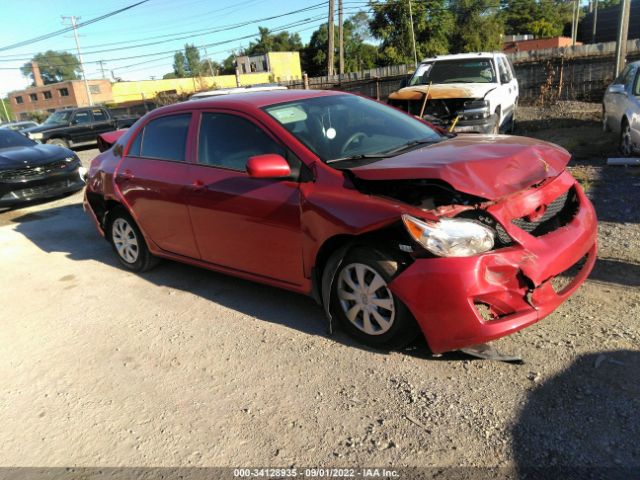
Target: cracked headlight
(450, 237)
(476, 110)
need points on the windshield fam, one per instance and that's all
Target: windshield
(340, 126)
(11, 139)
(471, 70)
(58, 117)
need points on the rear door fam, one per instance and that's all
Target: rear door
(244, 223)
(154, 180)
(101, 122)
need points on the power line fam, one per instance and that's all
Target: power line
(68, 29)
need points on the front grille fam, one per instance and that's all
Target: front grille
(563, 281)
(26, 173)
(48, 189)
(557, 214)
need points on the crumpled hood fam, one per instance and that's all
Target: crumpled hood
(486, 166)
(449, 90)
(17, 157)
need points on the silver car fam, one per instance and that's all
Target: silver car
(621, 109)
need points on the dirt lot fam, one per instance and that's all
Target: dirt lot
(185, 367)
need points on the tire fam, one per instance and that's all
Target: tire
(496, 128)
(605, 124)
(512, 123)
(626, 148)
(61, 142)
(386, 324)
(128, 243)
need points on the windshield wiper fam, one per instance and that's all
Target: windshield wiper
(357, 157)
(408, 145)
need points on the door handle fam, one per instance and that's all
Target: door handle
(128, 175)
(198, 186)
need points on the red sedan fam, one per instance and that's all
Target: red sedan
(395, 227)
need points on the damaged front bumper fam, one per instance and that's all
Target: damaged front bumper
(485, 125)
(485, 297)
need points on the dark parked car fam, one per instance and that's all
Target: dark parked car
(75, 127)
(394, 226)
(30, 171)
(19, 126)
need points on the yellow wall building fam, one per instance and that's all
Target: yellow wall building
(283, 66)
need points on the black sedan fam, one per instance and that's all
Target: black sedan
(31, 171)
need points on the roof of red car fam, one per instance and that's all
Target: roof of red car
(246, 100)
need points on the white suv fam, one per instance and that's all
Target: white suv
(469, 92)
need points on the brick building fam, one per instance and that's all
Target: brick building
(537, 44)
(51, 97)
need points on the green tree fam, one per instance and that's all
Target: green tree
(179, 62)
(358, 55)
(542, 18)
(9, 112)
(433, 24)
(188, 63)
(194, 66)
(478, 26)
(273, 42)
(55, 66)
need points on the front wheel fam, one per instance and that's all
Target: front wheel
(61, 142)
(128, 243)
(364, 304)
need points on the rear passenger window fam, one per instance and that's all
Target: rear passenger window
(228, 141)
(165, 138)
(98, 115)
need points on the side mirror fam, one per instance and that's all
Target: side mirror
(403, 83)
(618, 88)
(504, 79)
(269, 165)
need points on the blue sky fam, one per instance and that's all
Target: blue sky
(119, 40)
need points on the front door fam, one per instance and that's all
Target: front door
(240, 222)
(154, 179)
(81, 129)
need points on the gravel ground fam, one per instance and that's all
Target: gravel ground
(185, 367)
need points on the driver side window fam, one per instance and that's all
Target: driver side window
(228, 141)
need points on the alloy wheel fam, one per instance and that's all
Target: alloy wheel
(125, 240)
(365, 299)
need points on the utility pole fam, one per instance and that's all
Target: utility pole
(102, 62)
(623, 32)
(330, 47)
(413, 36)
(6, 114)
(574, 22)
(595, 21)
(208, 61)
(341, 37)
(75, 35)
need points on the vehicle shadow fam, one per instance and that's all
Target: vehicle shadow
(69, 230)
(583, 422)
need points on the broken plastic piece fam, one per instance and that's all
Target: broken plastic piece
(488, 352)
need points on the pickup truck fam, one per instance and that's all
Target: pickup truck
(470, 92)
(76, 127)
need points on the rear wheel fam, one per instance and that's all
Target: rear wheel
(626, 148)
(128, 243)
(364, 304)
(61, 142)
